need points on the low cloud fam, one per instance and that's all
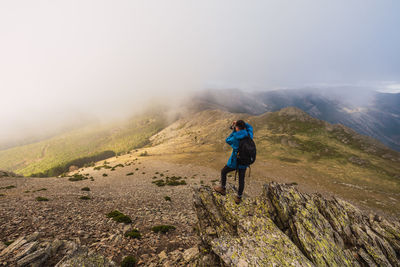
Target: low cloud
(74, 61)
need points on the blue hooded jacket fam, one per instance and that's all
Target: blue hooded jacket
(233, 140)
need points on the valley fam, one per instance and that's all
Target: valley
(153, 185)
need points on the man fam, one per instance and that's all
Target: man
(240, 131)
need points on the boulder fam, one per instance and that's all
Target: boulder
(285, 227)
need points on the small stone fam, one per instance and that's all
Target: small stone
(190, 253)
(127, 228)
(210, 231)
(144, 256)
(242, 263)
(162, 256)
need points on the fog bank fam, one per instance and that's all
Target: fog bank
(73, 61)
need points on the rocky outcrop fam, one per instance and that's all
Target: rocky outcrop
(31, 250)
(285, 227)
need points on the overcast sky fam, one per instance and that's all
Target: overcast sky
(62, 58)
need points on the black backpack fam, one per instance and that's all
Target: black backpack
(247, 151)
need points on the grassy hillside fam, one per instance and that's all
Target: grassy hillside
(337, 152)
(294, 147)
(88, 141)
(287, 132)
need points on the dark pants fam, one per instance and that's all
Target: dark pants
(241, 172)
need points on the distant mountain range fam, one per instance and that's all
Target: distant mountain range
(366, 111)
(373, 114)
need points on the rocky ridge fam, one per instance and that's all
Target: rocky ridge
(285, 227)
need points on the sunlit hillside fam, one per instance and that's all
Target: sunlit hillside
(87, 141)
(294, 147)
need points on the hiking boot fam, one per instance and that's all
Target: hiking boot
(219, 189)
(238, 200)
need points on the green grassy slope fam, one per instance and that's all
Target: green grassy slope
(87, 141)
(295, 147)
(291, 132)
(292, 146)
(337, 151)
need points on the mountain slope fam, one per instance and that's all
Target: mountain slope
(370, 113)
(88, 141)
(287, 126)
(294, 147)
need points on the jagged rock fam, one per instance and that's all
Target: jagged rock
(284, 227)
(243, 233)
(29, 248)
(37, 258)
(30, 251)
(13, 246)
(19, 243)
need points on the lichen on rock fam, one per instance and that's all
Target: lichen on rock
(285, 227)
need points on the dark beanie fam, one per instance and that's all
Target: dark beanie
(241, 124)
